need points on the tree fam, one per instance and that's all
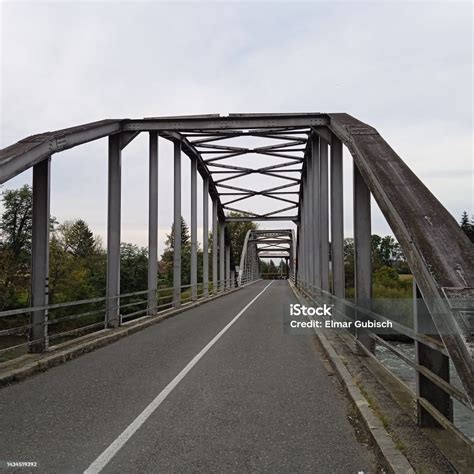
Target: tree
(467, 226)
(15, 247)
(386, 251)
(77, 263)
(16, 223)
(349, 262)
(77, 238)
(283, 267)
(166, 263)
(133, 268)
(237, 232)
(14, 282)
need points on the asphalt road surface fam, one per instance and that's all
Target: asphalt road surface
(219, 388)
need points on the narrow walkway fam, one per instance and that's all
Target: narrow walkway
(259, 400)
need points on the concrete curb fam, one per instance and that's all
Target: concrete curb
(70, 350)
(394, 461)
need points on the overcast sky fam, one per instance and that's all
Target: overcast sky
(403, 67)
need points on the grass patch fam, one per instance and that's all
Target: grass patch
(374, 406)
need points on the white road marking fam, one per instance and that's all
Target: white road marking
(118, 444)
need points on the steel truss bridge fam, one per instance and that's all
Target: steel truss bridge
(259, 243)
(303, 157)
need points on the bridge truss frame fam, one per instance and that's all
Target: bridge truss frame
(438, 253)
(262, 243)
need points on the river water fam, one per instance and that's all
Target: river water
(463, 417)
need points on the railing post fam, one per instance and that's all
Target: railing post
(433, 360)
(113, 232)
(337, 219)
(316, 263)
(221, 256)
(215, 244)
(362, 251)
(205, 236)
(38, 334)
(324, 213)
(177, 227)
(153, 224)
(193, 229)
(227, 267)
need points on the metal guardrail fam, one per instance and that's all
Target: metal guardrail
(341, 308)
(164, 298)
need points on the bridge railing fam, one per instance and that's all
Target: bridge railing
(453, 397)
(67, 320)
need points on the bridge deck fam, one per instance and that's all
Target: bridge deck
(258, 400)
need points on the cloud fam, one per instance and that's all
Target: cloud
(403, 67)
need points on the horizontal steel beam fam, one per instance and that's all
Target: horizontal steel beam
(274, 255)
(241, 122)
(261, 218)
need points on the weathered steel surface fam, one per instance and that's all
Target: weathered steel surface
(177, 227)
(31, 150)
(40, 254)
(153, 224)
(439, 253)
(231, 122)
(114, 196)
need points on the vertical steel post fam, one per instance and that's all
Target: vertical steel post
(215, 244)
(205, 236)
(337, 219)
(316, 263)
(304, 234)
(227, 267)
(362, 251)
(310, 216)
(324, 213)
(298, 252)
(252, 263)
(153, 224)
(291, 270)
(177, 227)
(433, 360)
(113, 232)
(256, 263)
(38, 336)
(221, 256)
(193, 228)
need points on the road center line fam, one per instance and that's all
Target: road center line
(116, 445)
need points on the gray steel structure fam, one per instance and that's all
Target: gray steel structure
(439, 254)
(260, 243)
